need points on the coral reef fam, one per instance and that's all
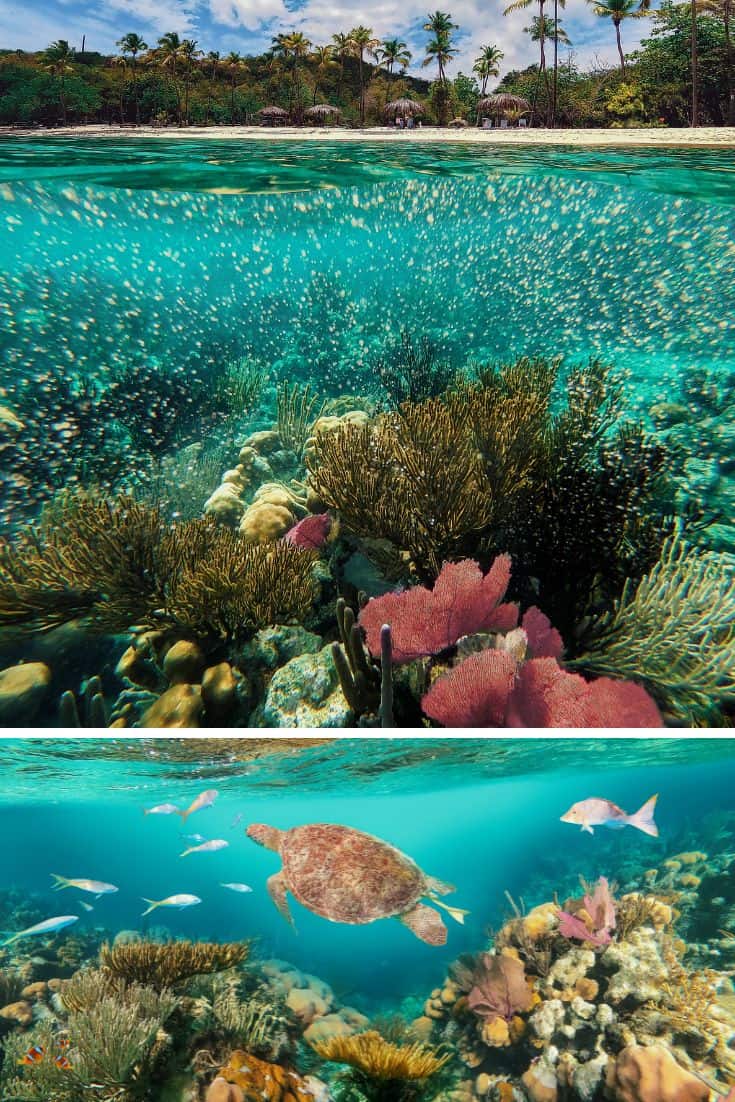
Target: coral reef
(376, 1058)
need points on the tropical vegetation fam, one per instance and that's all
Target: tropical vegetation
(681, 74)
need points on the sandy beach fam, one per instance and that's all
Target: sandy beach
(662, 137)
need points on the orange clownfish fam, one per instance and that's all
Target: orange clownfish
(64, 1043)
(33, 1056)
(62, 1062)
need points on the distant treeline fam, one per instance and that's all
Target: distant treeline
(675, 78)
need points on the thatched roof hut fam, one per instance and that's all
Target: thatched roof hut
(320, 112)
(502, 102)
(403, 108)
(273, 116)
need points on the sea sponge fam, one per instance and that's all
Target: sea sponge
(264, 522)
(305, 1004)
(495, 1033)
(651, 1074)
(263, 1082)
(541, 920)
(331, 1025)
(540, 1081)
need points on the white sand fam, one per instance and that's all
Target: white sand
(701, 136)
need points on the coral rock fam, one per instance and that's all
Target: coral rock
(540, 1082)
(21, 1013)
(225, 505)
(586, 988)
(36, 991)
(306, 693)
(263, 442)
(421, 1029)
(331, 1025)
(22, 691)
(541, 920)
(222, 1091)
(305, 1004)
(138, 663)
(179, 706)
(219, 686)
(651, 1074)
(264, 522)
(184, 663)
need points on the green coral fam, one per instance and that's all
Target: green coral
(674, 632)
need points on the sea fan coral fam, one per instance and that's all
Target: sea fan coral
(492, 689)
(311, 532)
(425, 621)
(501, 989)
(595, 920)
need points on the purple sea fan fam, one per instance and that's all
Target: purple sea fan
(600, 906)
(572, 927)
(501, 988)
(311, 532)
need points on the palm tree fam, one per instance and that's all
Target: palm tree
(362, 42)
(323, 58)
(212, 60)
(519, 5)
(169, 54)
(440, 51)
(723, 9)
(294, 47)
(618, 10)
(190, 54)
(557, 33)
(487, 65)
(121, 62)
(234, 65)
(132, 44)
(440, 24)
(341, 48)
(57, 60)
(393, 52)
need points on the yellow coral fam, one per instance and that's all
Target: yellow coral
(495, 1033)
(380, 1059)
(264, 522)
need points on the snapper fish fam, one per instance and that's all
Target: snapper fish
(48, 926)
(179, 901)
(95, 887)
(162, 809)
(204, 799)
(206, 847)
(87, 906)
(598, 812)
(237, 887)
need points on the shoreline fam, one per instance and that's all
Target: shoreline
(701, 137)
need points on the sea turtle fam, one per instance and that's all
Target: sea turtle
(348, 876)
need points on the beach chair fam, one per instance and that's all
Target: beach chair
(523, 122)
(503, 124)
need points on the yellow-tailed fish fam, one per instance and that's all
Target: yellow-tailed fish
(179, 901)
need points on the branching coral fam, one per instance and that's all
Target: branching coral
(379, 1059)
(675, 632)
(118, 563)
(411, 370)
(252, 1023)
(496, 465)
(162, 965)
(297, 409)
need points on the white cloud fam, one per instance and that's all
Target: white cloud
(251, 14)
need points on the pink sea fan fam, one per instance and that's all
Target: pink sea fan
(311, 532)
(544, 641)
(492, 689)
(573, 927)
(600, 906)
(424, 621)
(500, 989)
(475, 693)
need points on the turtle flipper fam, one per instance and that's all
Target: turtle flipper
(277, 890)
(426, 924)
(438, 887)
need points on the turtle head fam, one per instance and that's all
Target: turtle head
(267, 836)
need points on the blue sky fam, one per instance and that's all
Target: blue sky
(248, 25)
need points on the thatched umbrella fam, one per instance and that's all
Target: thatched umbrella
(458, 124)
(403, 108)
(502, 102)
(320, 112)
(272, 115)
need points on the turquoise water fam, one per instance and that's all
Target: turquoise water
(481, 815)
(309, 256)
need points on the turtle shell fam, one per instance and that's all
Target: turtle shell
(348, 876)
